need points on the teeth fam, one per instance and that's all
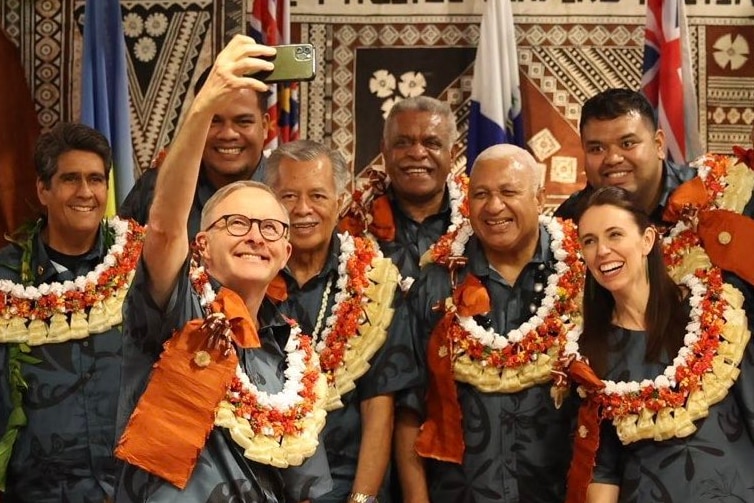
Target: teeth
(416, 171)
(610, 266)
(617, 174)
(82, 208)
(498, 222)
(304, 225)
(229, 151)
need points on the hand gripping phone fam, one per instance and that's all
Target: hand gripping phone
(294, 62)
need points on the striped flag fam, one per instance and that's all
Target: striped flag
(104, 91)
(495, 115)
(668, 80)
(269, 23)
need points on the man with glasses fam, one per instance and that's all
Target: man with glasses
(204, 416)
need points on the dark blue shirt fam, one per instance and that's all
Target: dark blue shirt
(673, 176)
(139, 199)
(412, 238)
(222, 474)
(64, 453)
(518, 445)
(392, 368)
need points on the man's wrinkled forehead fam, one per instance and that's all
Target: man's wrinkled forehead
(252, 202)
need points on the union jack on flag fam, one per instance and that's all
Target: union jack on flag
(269, 24)
(668, 80)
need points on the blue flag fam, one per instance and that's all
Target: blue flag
(104, 88)
(495, 115)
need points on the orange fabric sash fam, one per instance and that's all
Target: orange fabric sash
(587, 438)
(383, 222)
(727, 237)
(441, 435)
(176, 413)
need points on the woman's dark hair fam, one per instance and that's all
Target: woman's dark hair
(665, 318)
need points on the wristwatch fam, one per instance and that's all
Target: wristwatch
(362, 498)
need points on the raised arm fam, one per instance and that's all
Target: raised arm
(166, 243)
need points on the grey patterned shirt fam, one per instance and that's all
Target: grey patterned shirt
(518, 446)
(65, 451)
(393, 368)
(222, 474)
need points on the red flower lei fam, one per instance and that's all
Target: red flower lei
(526, 351)
(360, 315)
(279, 429)
(106, 286)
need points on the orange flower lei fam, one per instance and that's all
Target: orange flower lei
(278, 429)
(370, 214)
(360, 316)
(706, 365)
(523, 357)
(39, 315)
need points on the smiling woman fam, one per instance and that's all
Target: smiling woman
(654, 359)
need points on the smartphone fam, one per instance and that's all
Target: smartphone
(292, 63)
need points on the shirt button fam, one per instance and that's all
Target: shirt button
(88, 376)
(85, 344)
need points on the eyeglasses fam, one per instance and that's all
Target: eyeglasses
(240, 225)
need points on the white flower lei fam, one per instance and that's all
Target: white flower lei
(381, 276)
(267, 448)
(120, 231)
(289, 396)
(666, 380)
(105, 311)
(490, 338)
(490, 373)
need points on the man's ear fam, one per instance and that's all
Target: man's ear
(541, 197)
(201, 242)
(41, 192)
(454, 151)
(660, 144)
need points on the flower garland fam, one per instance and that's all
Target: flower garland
(523, 357)
(729, 183)
(370, 215)
(278, 429)
(716, 335)
(39, 315)
(360, 317)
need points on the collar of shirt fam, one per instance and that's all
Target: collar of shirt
(400, 215)
(673, 176)
(330, 266)
(480, 266)
(45, 270)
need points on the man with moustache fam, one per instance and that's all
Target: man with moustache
(341, 289)
(490, 431)
(233, 150)
(219, 390)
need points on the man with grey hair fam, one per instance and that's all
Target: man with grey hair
(411, 212)
(219, 391)
(341, 290)
(489, 427)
